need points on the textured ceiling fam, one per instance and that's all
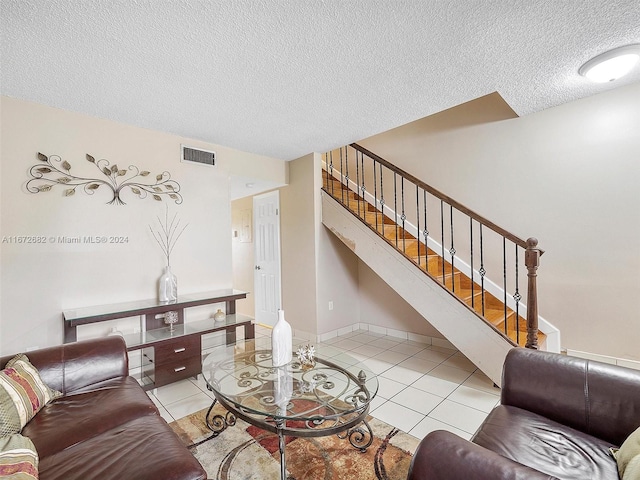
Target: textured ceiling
(287, 77)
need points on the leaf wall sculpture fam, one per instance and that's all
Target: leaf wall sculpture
(54, 171)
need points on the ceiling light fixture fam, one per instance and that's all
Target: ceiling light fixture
(611, 65)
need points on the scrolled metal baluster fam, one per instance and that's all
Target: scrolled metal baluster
(418, 220)
(382, 200)
(363, 189)
(375, 193)
(482, 271)
(504, 279)
(516, 298)
(425, 231)
(452, 251)
(403, 216)
(395, 204)
(471, 257)
(442, 240)
(341, 177)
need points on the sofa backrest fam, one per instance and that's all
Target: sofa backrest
(73, 366)
(596, 398)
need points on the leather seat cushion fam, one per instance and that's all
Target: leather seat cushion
(545, 445)
(142, 449)
(75, 418)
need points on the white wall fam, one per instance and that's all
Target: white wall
(39, 281)
(568, 176)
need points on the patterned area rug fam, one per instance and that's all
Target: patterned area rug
(244, 452)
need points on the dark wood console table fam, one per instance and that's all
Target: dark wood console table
(169, 354)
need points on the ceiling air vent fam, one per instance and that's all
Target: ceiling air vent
(197, 155)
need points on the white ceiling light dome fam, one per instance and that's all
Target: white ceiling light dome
(611, 65)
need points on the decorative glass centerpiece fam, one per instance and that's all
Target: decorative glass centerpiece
(306, 356)
(171, 318)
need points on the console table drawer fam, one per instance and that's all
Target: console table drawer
(177, 349)
(177, 370)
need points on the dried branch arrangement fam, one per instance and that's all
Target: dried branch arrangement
(168, 233)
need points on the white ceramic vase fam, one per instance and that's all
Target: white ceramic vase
(168, 287)
(281, 341)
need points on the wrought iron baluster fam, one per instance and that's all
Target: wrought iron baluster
(418, 220)
(395, 204)
(403, 217)
(375, 193)
(331, 171)
(363, 189)
(504, 280)
(473, 297)
(425, 231)
(482, 271)
(346, 168)
(382, 200)
(517, 297)
(341, 176)
(358, 181)
(442, 239)
(452, 251)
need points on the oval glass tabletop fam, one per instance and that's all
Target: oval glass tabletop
(243, 377)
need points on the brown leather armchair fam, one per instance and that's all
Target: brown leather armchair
(558, 417)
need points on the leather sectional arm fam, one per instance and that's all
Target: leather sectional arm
(442, 455)
(74, 366)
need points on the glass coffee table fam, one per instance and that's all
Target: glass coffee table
(332, 397)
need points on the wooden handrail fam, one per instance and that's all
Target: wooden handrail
(436, 193)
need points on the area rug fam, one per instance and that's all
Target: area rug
(244, 452)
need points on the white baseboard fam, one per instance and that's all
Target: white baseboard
(622, 362)
(376, 329)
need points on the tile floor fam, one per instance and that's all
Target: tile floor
(421, 387)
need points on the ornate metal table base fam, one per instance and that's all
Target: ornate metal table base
(218, 423)
(358, 437)
(326, 399)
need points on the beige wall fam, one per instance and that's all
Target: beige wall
(298, 212)
(380, 305)
(568, 176)
(40, 281)
(337, 283)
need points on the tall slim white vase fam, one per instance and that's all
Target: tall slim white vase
(281, 341)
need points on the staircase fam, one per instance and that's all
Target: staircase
(501, 312)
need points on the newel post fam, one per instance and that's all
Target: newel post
(532, 261)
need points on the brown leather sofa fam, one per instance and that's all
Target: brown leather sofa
(104, 426)
(558, 417)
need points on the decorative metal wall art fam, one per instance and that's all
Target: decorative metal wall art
(54, 171)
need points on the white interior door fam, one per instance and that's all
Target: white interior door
(266, 273)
